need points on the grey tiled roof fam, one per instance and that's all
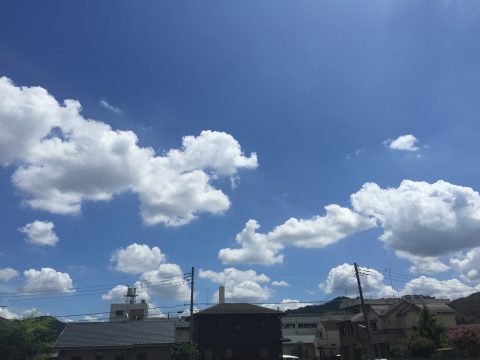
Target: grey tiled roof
(237, 308)
(120, 334)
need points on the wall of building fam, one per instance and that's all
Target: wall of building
(240, 336)
(151, 353)
(127, 311)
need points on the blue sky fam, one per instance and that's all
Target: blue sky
(213, 134)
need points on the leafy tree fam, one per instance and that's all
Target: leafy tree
(187, 351)
(28, 339)
(467, 339)
(428, 327)
(425, 337)
(419, 346)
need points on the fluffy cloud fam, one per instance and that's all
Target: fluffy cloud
(449, 289)
(40, 233)
(317, 232)
(287, 304)
(281, 283)
(468, 265)
(341, 281)
(403, 143)
(117, 294)
(7, 314)
(423, 219)
(157, 278)
(46, 279)
(167, 282)
(423, 264)
(137, 258)
(7, 274)
(64, 159)
(420, 221)
(240, 286)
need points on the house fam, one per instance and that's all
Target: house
(328, 339)
(300, 332)
(238, 331)
(129, 340)
(389, 321)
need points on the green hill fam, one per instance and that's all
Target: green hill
(333, 305)
(467, 309)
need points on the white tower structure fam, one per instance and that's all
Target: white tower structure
(129, 310)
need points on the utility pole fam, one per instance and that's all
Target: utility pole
(371, 353)
(192, 281)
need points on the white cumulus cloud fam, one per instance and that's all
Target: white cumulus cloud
(423, 264)
(46, 279)
(287, 304)
(7, 274)
(63, 159)
(317, 232)
(137, 258)
(7, 314)
(403, 143)
(40, 233)
(448, 289)
(341, 281)
(117, 293)
(240, 286)
(281, 283)
(468, 264)
(423, 219)
(157, 278)
(167, 282)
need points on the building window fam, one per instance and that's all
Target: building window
(142, 356)
(99, 356)
(307, 325)
(263, 323)
(347, 329)
(320, 334)
(289, 326)
(119, 313)
(373, 325)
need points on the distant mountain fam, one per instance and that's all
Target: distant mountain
(467, 309)
(333, 305)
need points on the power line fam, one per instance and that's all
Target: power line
(86, 293)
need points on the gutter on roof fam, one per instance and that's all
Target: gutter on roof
(113, 346)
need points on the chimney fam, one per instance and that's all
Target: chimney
(221, 295)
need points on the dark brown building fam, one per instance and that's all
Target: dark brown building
(238, 332)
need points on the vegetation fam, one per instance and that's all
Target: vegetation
(187, 351)
(467, 309)
(466, 339)
(28, 339)
(333, 305)
(425, 337)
